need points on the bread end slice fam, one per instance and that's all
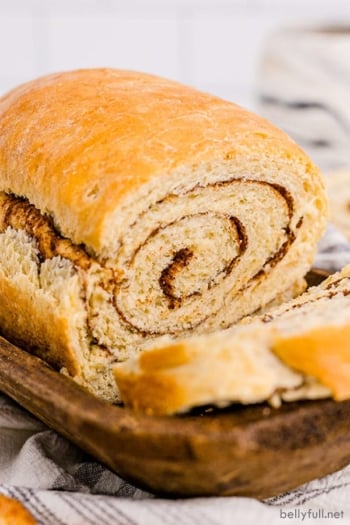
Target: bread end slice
(205, 370)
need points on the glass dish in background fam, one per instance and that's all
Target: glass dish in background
(303, 86)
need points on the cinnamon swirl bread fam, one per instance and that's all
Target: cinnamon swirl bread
(299, 350)
(133, 207)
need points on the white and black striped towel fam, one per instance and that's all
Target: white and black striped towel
(61, 485)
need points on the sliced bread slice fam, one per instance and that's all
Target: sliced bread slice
(300, 350)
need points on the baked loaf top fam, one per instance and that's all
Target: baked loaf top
(78, 144)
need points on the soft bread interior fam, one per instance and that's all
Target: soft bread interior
(193, 258)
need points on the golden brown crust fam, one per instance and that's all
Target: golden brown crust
(77, 143)
(152, 393)
(175, 354)
(12, 512)
(154, 390)
(322, 353)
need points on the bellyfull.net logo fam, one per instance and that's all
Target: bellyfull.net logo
(310, 514)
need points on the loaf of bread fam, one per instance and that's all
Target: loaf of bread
(299, 350)
(12, 512)
(133, 207)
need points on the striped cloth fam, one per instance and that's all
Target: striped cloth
(61, 485)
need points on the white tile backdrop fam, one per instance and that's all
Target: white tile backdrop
(215, 45)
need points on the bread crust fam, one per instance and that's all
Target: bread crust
(12, 512)
(76, 144)
(322, 353)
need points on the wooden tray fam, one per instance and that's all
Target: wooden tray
(251, 451)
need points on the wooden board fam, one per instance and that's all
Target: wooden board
(251, 451)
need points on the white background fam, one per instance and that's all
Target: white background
(215, 45)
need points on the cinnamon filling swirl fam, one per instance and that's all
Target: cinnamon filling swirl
(19, 214)
(183, 261)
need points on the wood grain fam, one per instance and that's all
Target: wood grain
(250, 451)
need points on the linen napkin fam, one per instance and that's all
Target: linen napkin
(61, 485)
